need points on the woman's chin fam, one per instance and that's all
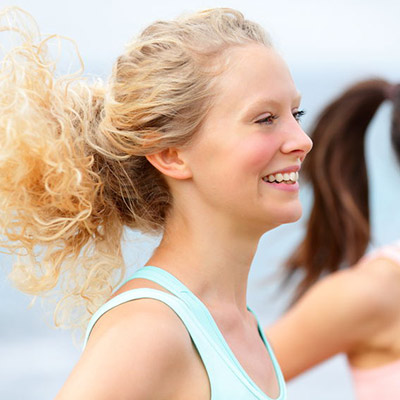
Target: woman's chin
(293, 215)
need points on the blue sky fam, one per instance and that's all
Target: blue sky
(345, 34)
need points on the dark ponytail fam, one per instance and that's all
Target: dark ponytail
(338, 230)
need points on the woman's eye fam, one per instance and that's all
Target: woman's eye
(268, 120)
(298, 115)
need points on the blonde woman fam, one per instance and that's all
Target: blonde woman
(196, 137)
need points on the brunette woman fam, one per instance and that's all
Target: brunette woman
(352, 310)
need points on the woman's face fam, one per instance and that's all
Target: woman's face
(250, 141)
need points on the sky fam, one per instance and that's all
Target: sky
(313, 34)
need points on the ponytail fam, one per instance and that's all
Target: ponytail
(54, 214)
(338, 230)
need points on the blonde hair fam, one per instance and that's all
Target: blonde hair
(73, 171)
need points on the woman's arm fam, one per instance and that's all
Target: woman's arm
(339, 313)
(139, 350)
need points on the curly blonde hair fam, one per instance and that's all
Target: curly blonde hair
(73, 171)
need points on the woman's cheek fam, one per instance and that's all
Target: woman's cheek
(257, 152)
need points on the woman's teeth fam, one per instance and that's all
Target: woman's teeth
(290, 177)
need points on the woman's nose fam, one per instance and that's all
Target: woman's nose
(297, 140)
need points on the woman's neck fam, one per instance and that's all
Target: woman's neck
(210, 257)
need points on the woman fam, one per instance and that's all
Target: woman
(353, 310)
(196, 137)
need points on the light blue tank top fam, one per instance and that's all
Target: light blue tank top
(228, 380)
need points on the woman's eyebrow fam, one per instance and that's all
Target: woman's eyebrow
(267, 102)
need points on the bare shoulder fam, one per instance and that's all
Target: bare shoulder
(138, 350)
(150, 320)
(340, 313)
(369, 291)
(380, 289)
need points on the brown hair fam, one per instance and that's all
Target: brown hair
(338, 229)
(73, 171)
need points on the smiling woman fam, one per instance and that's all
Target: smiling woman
(247, 144)
(196, 137)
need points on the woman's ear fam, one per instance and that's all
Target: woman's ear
(170, 163)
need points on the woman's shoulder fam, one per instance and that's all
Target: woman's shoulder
(137, 305)
(136, 313)
(380, 276)
(368, 291)
(136, 341)
(142, 321)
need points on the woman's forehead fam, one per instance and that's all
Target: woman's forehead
(255, 74)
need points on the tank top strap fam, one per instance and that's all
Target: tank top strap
(208, 324)
(177, 288)
(207, 350)
(389, 251)
(130, 295)
(274, 360)
(185, 314)
(162, 277)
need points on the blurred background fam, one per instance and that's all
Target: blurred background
(328, 45)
